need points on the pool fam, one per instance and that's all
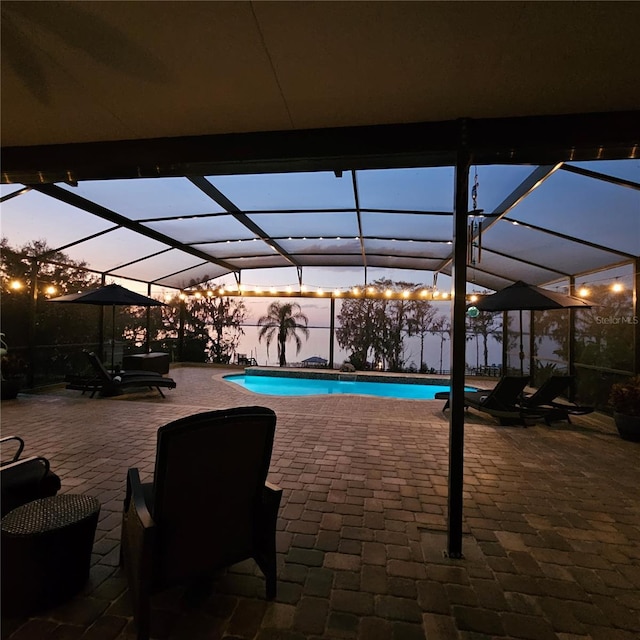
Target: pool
(298, 386)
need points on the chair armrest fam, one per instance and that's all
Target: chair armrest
(271, 497)
(20, 445)
(134, 501)
(25, 462)
(136, 540)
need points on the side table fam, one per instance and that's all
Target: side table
(46, 551)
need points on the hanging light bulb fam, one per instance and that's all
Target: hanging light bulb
(617, 287)
(583, 292)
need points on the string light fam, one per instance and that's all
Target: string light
(426, 293)
(617, 287)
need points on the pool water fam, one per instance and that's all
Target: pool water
(290, 386)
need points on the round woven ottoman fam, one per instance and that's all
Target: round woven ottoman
(46, 552)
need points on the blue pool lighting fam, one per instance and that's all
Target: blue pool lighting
(295, 386)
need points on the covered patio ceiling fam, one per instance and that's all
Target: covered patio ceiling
(175, 142)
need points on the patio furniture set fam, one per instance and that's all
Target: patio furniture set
(167, 537)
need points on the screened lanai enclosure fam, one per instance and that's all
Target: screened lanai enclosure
(330, 235)
(275, 149)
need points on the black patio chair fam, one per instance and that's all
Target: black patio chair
(111, 383)
(209, 505)
(501, 402)
(24, 480)
(545, 400)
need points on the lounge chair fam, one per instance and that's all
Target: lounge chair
(109, 384)
(24, 480)
(209, 505)
(544, 400)
(501, 402)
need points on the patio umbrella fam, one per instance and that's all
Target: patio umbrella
(110, 295)
(521, 296)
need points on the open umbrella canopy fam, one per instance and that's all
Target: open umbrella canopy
(110, 294)
(523, 296)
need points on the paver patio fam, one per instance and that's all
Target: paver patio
(552, 521)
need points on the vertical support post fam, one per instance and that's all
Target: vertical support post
(101, 351)
(147, 329)
(636, 316)
(182, 320)
(33, 308)
(571, 349)
(332, 330)
(458, 343)
(532, 346)
(505, 342)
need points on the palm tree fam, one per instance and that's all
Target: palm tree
(283, 321)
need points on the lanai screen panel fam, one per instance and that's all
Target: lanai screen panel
(192, 230)
(586, 208)
(160, 267)
(120, 247)
(418, 189)
(495, 182)
(275, 191)
(197, 275)
(408, 248)
(535, 247)
(407, 226)
(303, 249)
(625, 169)
(314, 225)
(145, 198)
(33, 216)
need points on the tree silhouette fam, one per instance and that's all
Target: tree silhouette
(283, 321)
(442, 328)
(422, 318)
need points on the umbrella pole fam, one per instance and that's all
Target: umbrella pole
(113, 335)
(521, 347)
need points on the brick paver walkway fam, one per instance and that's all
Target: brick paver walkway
(552, 522)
